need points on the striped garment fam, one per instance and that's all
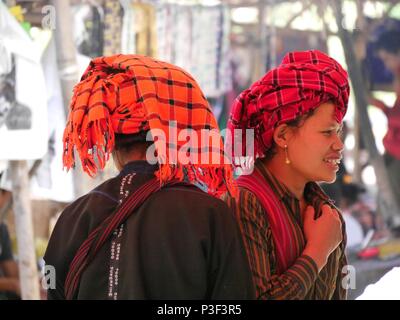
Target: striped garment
(301, 280)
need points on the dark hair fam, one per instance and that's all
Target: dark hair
(389, 41)
(127, 142)
(295, 123)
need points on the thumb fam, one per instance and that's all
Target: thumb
(309, 215)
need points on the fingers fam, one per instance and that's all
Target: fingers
(336, 213)
(309, 215)
(310, 209)
(326, 209)
(338, 222)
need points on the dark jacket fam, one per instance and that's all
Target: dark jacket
(180, 244)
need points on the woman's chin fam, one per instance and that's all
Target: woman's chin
(326, 178)
(329, 179)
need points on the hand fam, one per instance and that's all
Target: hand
(323, 235)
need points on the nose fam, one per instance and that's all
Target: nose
(338, 144)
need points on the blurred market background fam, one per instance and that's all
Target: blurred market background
(226, 45)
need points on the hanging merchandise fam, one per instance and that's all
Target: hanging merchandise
(18, 14)
(191, 36)
(288, 40)
(145, 29)
(167, 36)
(7, 83)
(128, 36)
(196, 38)
(211, 64)
(224, 65)
(204, 57)
(50, 180)
(112, 27)
(23, 116)
(183, 37)
(88, 29)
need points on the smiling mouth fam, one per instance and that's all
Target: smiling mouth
(333, 161)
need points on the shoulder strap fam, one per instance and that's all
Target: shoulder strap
(89, 248)
(285, 245)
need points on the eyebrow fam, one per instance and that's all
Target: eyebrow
(335, 125)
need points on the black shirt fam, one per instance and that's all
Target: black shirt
(181, 243)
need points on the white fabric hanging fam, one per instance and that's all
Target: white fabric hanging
(183, 41)
(29, 142)
(128, 37)
(205, 48)
(51, 181)
(196, 38)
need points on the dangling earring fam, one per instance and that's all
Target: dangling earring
(287, 160)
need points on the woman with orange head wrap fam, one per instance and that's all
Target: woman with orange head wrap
(150, 232)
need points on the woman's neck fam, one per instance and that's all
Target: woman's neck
(286, 175)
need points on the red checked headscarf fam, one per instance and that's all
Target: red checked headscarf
(302, 82)
(131, 94)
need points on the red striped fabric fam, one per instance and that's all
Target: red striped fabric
(301, 279)
(286, 246)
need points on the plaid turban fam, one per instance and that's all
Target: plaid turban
(302, 82)
(132, 94)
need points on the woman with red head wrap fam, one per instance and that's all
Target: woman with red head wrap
(294, 235)
(148, 233)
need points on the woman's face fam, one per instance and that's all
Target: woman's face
(315, 149)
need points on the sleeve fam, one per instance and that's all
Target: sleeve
(296, 281)
(57, 293)
(341, 291)
(57, 257)
(69, 232)
(231, 277)
(5, 244)
(198, 245)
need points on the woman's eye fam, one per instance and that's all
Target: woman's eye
(331, 132)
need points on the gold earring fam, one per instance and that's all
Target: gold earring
(287, 160)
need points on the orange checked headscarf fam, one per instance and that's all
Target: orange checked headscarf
(131, 94)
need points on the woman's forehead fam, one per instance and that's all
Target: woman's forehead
(325, 114)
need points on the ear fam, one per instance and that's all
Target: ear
(282, 134)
